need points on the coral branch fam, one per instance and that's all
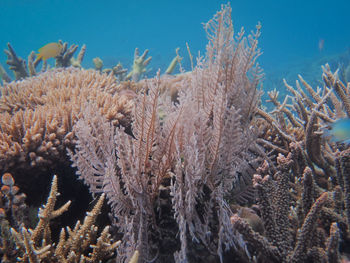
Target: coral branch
(17, 64)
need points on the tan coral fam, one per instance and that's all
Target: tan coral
(73, 246)
(301, 117)
(315, 182)
(37, 113)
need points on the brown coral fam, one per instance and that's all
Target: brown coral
(74, 245)
(283, 241)
(299, 119)
(312, 184)
(37, 113)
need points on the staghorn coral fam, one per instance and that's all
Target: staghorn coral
(183, 168)
(37, 114)
(314, 183)
(301, 119)
(118, 71)
(176, 60)
(65, 58)
(286, 239)
(98, 63)
(80, 244)
(343, 170)
(22, 70)
(4, 77)
(139, 66)
(17, 64)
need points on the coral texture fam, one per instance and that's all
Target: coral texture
(176, 157)
(74, 245)
(38, 113)
(303, 187)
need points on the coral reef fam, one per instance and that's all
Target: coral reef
(182, 159)
(80, 244)
(17, 64)
(65, 58)
(191, 171)
(13, 212)
(176, 60)
(22, 70)
(37, 114)
(4, 77)
(288, 235)
(303, 189)
(19, 243)
(139, 66)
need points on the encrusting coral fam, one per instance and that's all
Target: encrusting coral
(37, 114)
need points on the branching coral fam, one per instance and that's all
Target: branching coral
(65, 58)
(4, 77)
(17, 64)
(169, 176)
(13, 212)
(139, 65)
(73, 245)
(37, 114)
(282, 241)
(22, 70)
(313, 183)
(301, 122)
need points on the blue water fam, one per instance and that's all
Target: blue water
(112, 29)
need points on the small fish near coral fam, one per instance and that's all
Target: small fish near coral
(339, 131)
(49, 51)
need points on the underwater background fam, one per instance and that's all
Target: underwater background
(293, 32)
(190, 167)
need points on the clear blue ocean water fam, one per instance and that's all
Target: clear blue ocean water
(291, 30)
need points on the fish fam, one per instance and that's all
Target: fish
(49, 51)
(339, 131)
(321, 44)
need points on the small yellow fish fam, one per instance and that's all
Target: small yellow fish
(49, 51)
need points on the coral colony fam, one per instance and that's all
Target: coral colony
(181, 168)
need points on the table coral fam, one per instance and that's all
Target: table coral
(37, 113)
